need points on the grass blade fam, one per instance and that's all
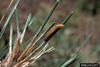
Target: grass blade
(68, 17)
(6, 11)
(32, 43)
(32, 20)
(8, 19)
(84, 42)
(25, 27)
(4, 51)
(17, 21)
(66, 64)
(47, 18)
(10, 39)
(76, 53)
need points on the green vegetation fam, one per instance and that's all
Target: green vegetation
(39, 50)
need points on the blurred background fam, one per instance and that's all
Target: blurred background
(85, 20)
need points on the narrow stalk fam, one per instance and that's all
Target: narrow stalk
(76, 54)
(32, 20)
(42, 51)
(43, 43)
(68, 17)
(25, 27)
(67, 63)
(8, 19)
(84, 42)
(4, 51)
(6, 11)
(31, 44)
(17, 21)
(10, 39)
(46, 20)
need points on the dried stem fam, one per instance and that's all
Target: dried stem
(31, 44)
